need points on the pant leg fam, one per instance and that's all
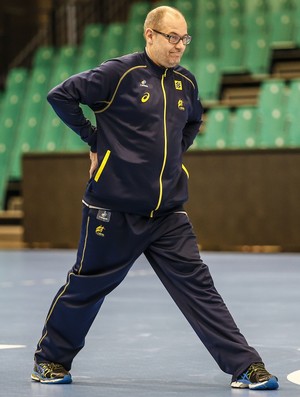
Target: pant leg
(106, 252)
(175, 258)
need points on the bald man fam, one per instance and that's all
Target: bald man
(147, 115)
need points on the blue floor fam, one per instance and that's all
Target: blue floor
(140, 344)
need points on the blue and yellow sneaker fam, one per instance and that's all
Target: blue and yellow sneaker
(256, 377)
(50, 373)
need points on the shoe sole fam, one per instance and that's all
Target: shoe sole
(271, 384)
(37, 378)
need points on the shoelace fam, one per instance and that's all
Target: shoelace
(258, 371)
(50, 367)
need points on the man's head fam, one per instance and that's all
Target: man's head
(162, 26)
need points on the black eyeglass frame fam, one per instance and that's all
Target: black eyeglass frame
(186, 39)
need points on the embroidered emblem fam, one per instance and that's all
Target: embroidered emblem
(145, 97)
(178, 85)
(103, 215)
(99, 230)
(143, 83)
(180, 104)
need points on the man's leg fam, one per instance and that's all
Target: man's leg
(107, 250)
(175, 258)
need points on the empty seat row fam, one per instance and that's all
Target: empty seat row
(273, 123)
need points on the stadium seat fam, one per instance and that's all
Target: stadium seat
(88, 58)
(272, 94)
(216, 129)
(293, 115)
(257, 52)
(208, 74)
(232, 37)
(206, 33)
(32, 117)
(271, 108)
(44, 56)
(113, 41)
(92, 35)
(296, 33)
(66, 55)
(138, 11)
(244, 130)
(134, 41)
(53, 129)
(71, 141)
(12, 104)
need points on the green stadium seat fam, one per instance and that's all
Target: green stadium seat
(12, 104)
(112, 45)
(271, 110)
(71, 141)
(92, 35)
(256, 6)
(209, 7)
(187, 7)
(44, 56)
(232, 37)
(293, 114)
(134, 39)
(88, 58)
(206, 34)
(28, 133)
(257, 53)
(138, 11)
(88, 53)
(208, 75)
(66, 55)
(53, 129)
(217, 127)
(296, 33)
(52, 133)
(282, 29)
(244, 129)
(272, 94)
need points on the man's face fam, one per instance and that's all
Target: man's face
(158, 47)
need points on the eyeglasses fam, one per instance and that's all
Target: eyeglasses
(174, 38)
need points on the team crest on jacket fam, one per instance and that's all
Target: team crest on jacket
(178, 85)
(180, 104)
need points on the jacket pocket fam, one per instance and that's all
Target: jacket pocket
(102, 166)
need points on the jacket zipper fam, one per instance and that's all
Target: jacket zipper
(165, 146)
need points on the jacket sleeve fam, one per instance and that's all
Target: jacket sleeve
(92, 88)
(194, 122)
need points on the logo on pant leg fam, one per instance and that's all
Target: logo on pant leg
(103, 215)
(99, 230)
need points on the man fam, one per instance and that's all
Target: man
(148, 114)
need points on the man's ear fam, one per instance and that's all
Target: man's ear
(148, 35)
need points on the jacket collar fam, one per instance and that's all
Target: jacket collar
(158, 70)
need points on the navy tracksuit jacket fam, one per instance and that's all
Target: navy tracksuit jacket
(147, 117)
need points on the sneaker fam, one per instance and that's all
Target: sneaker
(50, 373)
(256, 377)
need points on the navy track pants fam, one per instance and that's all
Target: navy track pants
(108, 248)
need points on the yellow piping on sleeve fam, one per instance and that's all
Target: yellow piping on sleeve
(102, 165)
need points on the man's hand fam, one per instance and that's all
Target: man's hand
(94, 163)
